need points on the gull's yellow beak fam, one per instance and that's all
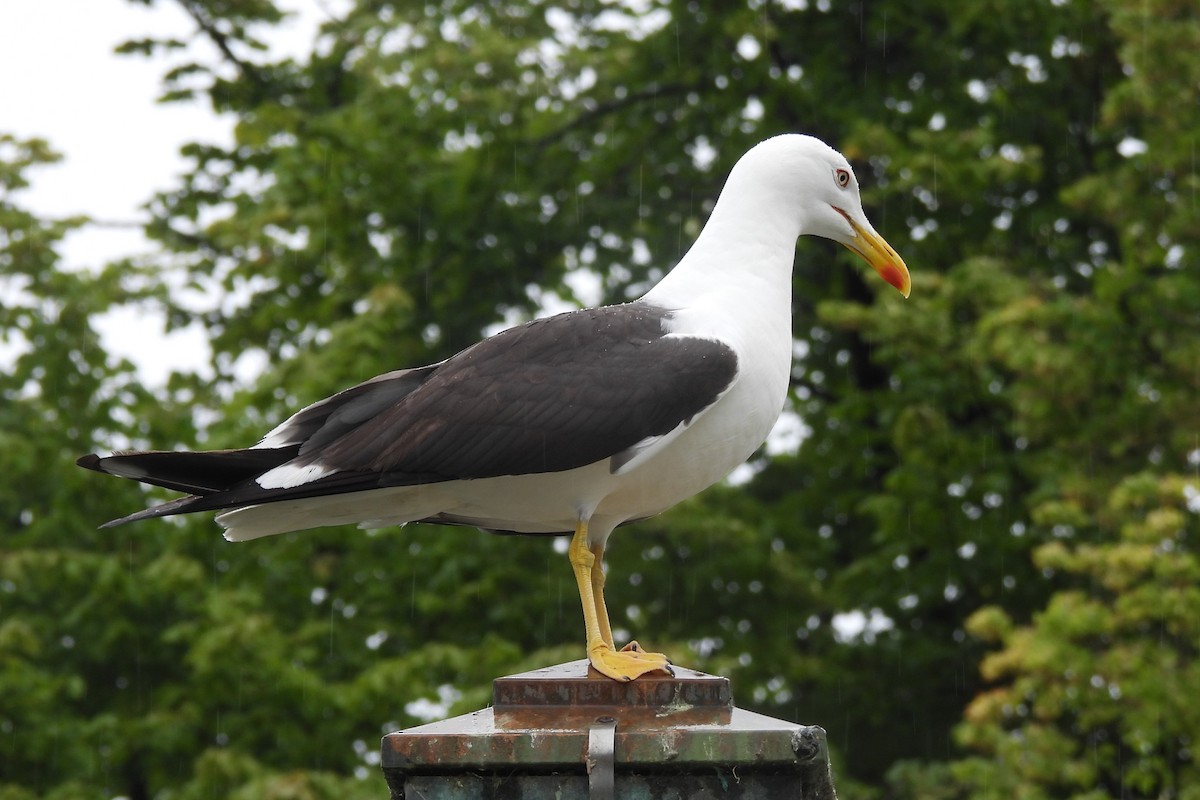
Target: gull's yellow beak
(878, 253)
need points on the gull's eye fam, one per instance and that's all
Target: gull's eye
(842, 177)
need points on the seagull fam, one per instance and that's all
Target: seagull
(572, 424)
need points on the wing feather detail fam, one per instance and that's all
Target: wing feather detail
(552, 395)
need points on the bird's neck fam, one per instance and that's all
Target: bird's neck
(746, 248)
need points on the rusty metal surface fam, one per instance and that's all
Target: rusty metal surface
(576, 684)
(570, 695)
(475, 741)
(668, 728)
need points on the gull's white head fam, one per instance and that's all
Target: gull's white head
(815, 186)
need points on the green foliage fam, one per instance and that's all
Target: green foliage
(1088, 701)
(997, 478)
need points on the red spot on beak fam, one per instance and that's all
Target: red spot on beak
(895, 276)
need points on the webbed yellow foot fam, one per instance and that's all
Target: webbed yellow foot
(626, 664)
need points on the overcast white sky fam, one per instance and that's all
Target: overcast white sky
(60, 80)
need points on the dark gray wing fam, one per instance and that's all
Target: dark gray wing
(329, 419)
(552, 395)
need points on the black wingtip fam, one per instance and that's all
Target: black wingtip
(172, 507)
(90, 461)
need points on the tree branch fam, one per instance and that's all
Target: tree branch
(247, 70)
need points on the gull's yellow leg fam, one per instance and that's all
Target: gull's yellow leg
(602, 616)
(598, 595)
(621, 665)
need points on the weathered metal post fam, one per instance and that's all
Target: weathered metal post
(565, 732)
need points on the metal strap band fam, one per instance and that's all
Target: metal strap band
(601, 758)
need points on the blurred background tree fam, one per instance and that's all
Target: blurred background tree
(968, 553)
